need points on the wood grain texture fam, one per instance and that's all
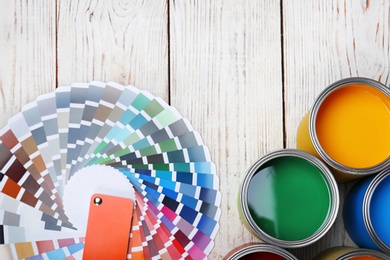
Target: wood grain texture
(27, 51)
(121, 41)
(244, 73)
(325, 41)
(226, 78)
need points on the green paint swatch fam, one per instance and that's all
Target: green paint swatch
(289, 198)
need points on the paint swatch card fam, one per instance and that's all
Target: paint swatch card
(108, 228)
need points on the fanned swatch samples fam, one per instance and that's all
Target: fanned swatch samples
(112, 139)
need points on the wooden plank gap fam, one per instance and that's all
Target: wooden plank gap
(169, 50)
(56, 42)
(282, 60)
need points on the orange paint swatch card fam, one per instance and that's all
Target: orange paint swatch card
(108, 228)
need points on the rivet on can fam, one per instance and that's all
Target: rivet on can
(258, 251)
(367, 211)
(348, 127)
(289, 198)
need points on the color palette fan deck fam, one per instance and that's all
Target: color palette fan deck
(117, 140)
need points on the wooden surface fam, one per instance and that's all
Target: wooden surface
(243, 72)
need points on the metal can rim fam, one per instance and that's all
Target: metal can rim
(335, 200)
(312, 127)
(366, 209)
(258, 248)
(363, 252)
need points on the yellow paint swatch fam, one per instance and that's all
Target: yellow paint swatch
(353, 126)
(24, 250)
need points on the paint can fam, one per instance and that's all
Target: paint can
(289, 198)
(366, 212)
(351, 253)
(348, 127)
(258, 251)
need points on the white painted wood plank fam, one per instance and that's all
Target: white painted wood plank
(226, 78)
(27, 50)
(325, 41)
(125, 42)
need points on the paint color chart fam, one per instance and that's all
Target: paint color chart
(110, 139)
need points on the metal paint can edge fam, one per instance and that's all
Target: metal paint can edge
(346, 252)
(366, 210)
(250, 248)
(364, 252)
(356, 172)
(250, 223)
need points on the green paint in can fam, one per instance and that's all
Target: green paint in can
(289, 198)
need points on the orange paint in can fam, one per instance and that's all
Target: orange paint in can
(349, 128)
(353, 126)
